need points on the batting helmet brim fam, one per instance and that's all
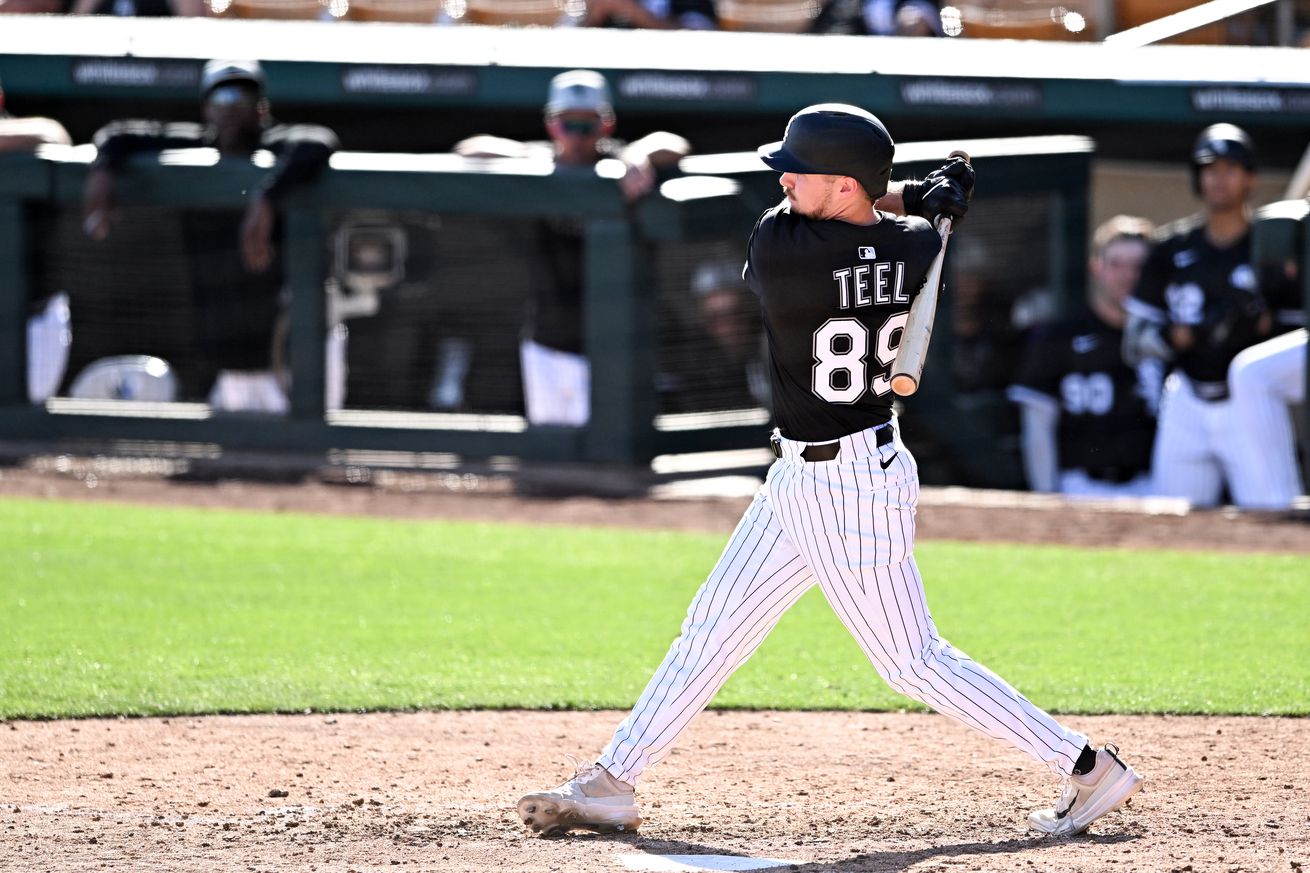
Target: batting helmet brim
(776, 157)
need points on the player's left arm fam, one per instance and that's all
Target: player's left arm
(644, 158)
(303, 152)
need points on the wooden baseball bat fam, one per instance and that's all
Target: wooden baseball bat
(913, 350)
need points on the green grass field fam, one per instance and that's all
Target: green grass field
(108, 609)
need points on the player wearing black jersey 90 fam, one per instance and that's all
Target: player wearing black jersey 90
(1088, 418)
(835, 276)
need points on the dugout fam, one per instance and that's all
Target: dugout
(462, 276)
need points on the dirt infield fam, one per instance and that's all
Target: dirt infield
(821, 791)
(435, 791)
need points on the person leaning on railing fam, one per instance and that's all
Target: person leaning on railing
(580, 121)
(234, 258)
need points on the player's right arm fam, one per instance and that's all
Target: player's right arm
(25, 134)
(115, 143)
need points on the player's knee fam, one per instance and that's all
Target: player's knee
(913, 664)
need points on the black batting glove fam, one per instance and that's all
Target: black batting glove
(945, 191)
(960, 170)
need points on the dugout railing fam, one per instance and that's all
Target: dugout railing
(1028, 229)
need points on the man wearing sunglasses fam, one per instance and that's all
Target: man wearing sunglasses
(580, 121)
(233, 257)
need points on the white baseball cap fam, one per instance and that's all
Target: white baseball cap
(219, 72)
(579, 91)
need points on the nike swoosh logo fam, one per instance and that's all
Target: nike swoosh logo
(887, 463)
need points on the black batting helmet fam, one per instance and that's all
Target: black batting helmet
(835, 139)
(1221, 141)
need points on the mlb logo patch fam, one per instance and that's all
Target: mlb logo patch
(867, 253)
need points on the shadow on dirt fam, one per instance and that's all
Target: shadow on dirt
(885, 861)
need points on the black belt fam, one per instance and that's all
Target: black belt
(1113, 475)
(828, 451)
(1211, 392)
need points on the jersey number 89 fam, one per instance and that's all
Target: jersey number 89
(841, 348)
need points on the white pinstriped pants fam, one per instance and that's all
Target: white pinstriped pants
(848, 525)
(1265, 379)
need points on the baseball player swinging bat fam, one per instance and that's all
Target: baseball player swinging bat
(913, 350)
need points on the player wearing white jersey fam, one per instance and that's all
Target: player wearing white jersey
(580, 121)
(835, 277)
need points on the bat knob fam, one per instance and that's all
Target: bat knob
(904, 384)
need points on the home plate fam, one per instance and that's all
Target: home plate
(698, 863)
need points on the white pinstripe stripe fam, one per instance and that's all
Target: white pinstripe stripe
(811, 522)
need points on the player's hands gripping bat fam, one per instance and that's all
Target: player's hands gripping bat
(944, 194)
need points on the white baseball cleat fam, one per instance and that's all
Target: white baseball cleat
(1087, 798)
(592, 800)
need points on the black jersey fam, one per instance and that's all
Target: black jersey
(835, 298)
(1106, 425)
(555, 306)
(1188, 280)
(555, 317)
